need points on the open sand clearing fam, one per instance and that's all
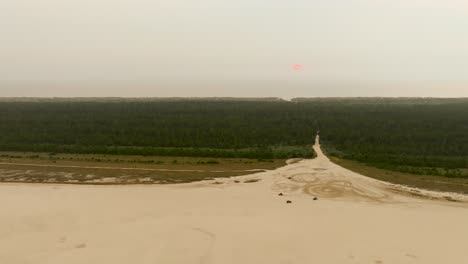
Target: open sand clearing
(355, 220)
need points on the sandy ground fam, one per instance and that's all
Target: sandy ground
(355, 220)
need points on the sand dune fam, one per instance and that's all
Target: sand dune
(355, 220)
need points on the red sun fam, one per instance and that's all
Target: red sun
(297, 66)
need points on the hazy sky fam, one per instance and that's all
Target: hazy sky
(233, 48)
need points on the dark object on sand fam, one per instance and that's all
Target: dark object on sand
(289, 177)
(315, 198)
(280, 194)
(288, 201)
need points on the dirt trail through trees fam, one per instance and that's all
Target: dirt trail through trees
(322, 178)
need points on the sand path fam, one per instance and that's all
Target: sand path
(355, 220)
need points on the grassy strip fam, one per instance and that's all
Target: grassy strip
(105, 170)
(283, 152)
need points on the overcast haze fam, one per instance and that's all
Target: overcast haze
(233, 48)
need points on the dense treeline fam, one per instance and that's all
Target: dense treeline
(384, 132)
(176, 128)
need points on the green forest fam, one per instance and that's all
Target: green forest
(421, 136)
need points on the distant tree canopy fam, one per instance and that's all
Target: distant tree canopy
(412, 132)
